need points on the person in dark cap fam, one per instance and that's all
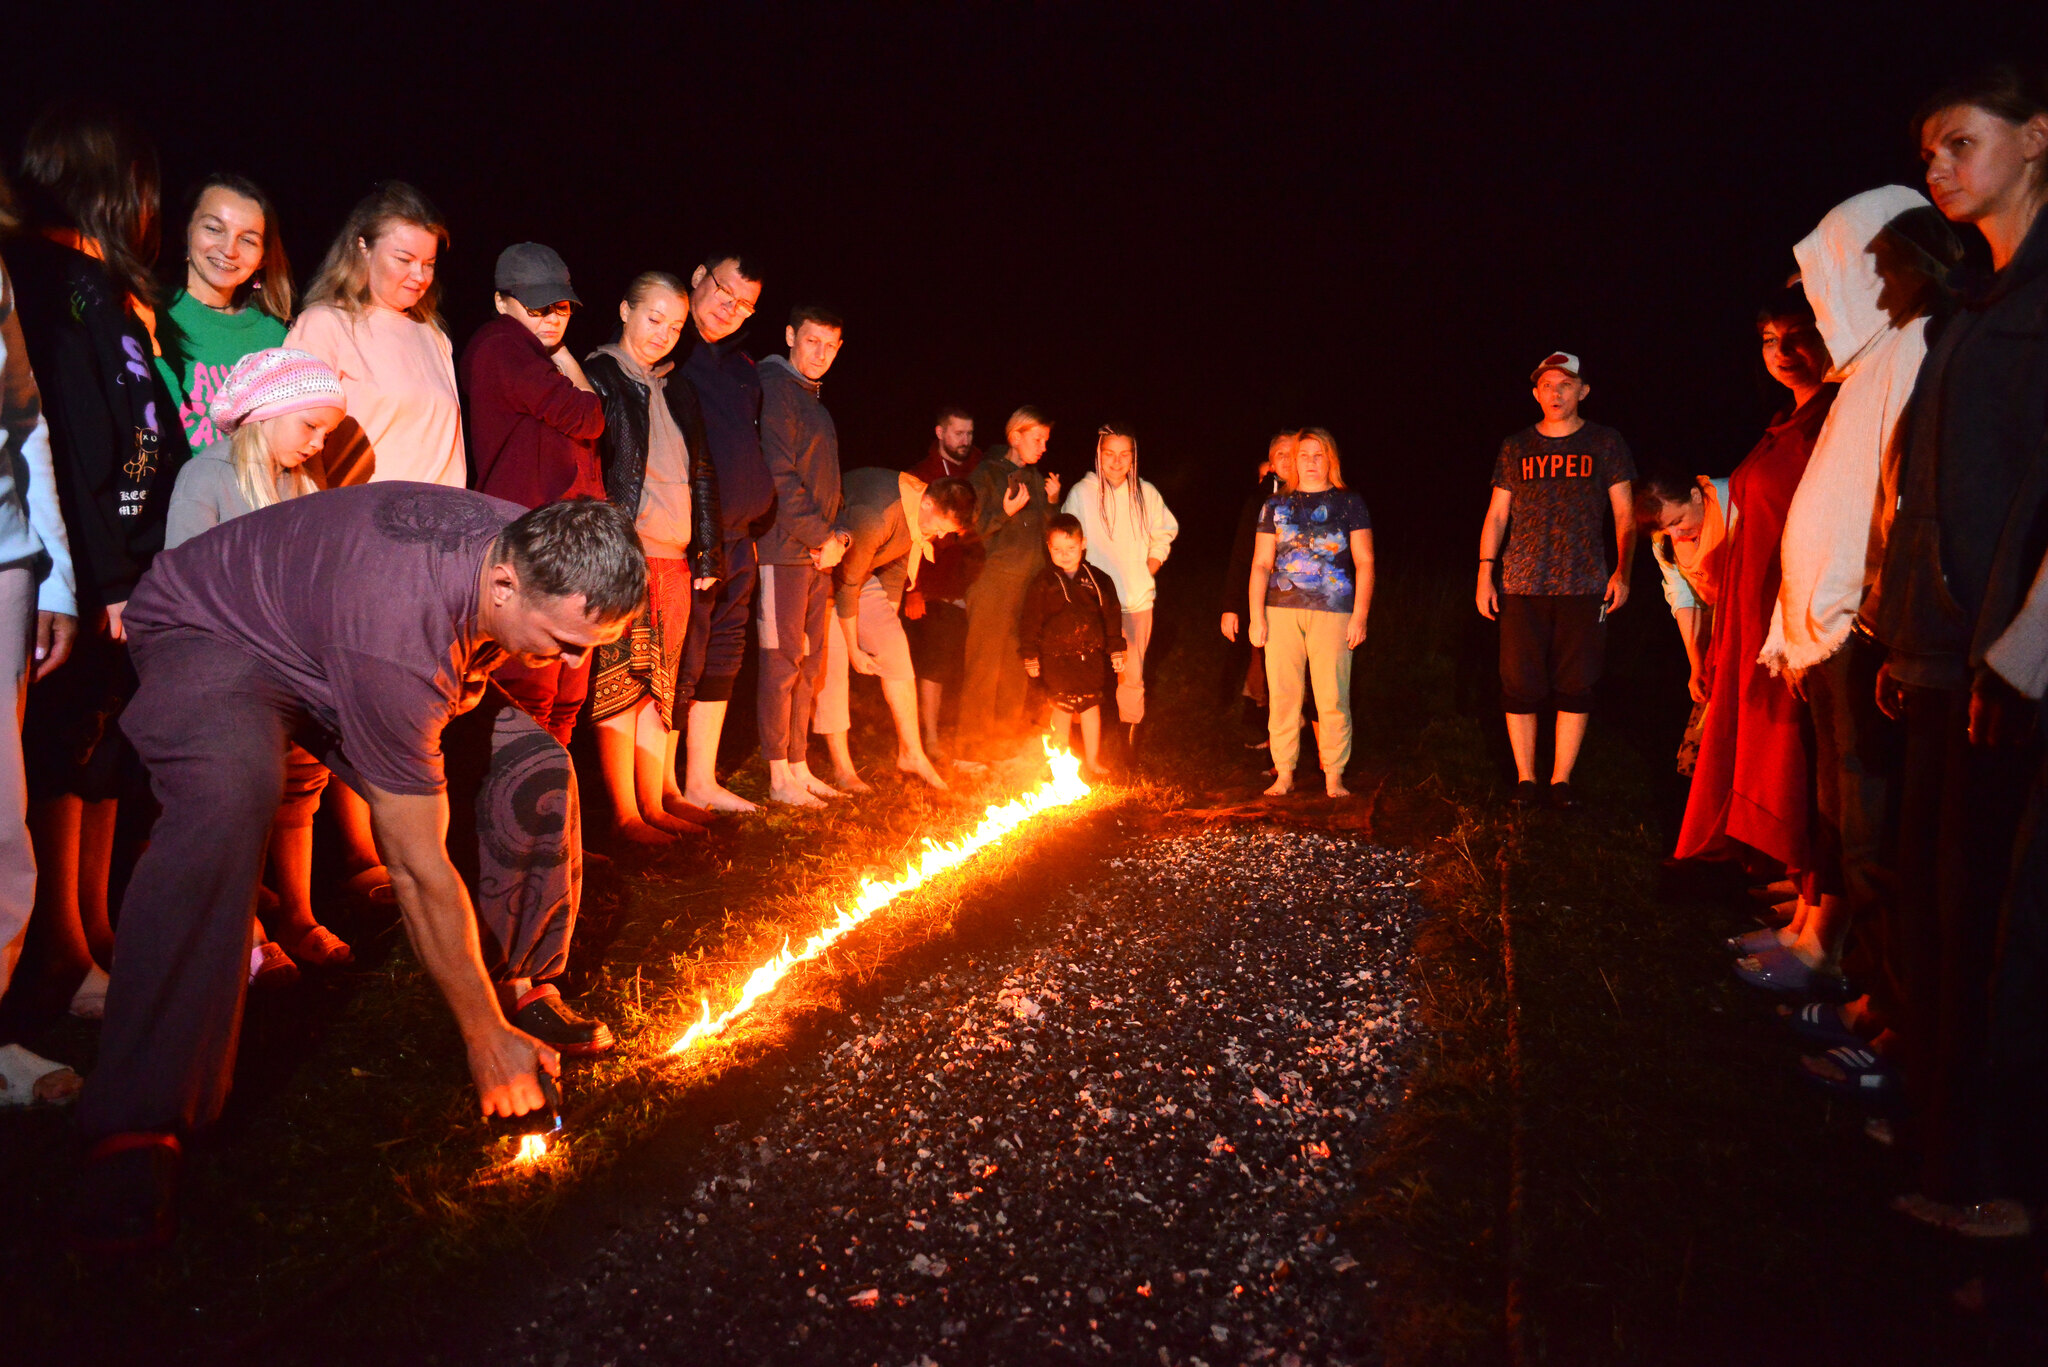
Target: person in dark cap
(534, 422)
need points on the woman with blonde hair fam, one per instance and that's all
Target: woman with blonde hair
(1311, 588)
(274, 412)
(1130, 532)
(372, 316)
(235, 297)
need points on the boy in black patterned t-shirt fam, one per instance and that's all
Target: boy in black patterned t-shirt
(1553, 486)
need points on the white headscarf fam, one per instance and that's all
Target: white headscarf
(1834, 530)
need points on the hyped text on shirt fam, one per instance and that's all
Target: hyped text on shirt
(1561, 465)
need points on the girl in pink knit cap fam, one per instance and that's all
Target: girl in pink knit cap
(276, 407)
(274, 412)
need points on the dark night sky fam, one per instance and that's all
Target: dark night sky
(1209, 220)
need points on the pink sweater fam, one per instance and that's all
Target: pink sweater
(404, 415)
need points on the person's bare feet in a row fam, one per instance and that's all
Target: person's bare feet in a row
(1283, 784)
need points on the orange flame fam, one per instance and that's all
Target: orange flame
(1064, 788)
(532, 1148)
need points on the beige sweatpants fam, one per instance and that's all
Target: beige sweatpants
(1299, 643)
(1130, 685)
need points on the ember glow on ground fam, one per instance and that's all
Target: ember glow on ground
(1130, 1145)
(1063, 789)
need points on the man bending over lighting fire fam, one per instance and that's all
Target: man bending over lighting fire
(358, 622)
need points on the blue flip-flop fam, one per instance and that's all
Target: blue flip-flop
(1821, 1022)
(1755, 941)
(1776, 969)
(1868, 1078)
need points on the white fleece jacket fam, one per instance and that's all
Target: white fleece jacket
(1117, 545)
(1834, 531)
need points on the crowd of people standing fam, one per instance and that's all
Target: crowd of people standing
(254, 542)
(1864, 609)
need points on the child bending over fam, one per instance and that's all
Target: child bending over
(1072, 637)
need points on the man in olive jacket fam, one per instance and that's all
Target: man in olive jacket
(1014, 501)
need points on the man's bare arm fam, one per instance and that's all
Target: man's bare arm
(412, 838)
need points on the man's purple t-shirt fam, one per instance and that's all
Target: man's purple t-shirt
(362, 599)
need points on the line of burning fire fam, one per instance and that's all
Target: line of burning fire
(1063, 789)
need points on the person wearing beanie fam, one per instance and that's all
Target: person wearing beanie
(272, 414)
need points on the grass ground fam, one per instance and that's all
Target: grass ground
(1633, 1177)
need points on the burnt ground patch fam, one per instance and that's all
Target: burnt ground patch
(1136, 1141)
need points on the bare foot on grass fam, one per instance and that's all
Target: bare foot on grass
(815, 786)
(634, 831)
(718, 798)
(847, 781)
(1282, 785)
(1333, 784)
(917, 766)
(675, 806)
(1094, 771)
(794, 794)
(676, 825)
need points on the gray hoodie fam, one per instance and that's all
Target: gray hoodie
(801, 447)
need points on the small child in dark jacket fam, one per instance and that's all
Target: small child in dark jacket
(1072, 637)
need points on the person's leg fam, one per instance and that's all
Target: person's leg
(1329, 670)
(2016, 1146)
(654, 773)
(1091, 743)
(1130, 684)
(712, 691)
(95, 870)
(1286, 665)
(779, 603)
(291, 865)
(818, 625)
(1578, 655)
(358, 842)
(17, 853)
(832, 715)
(1524, 677)
(1012, 684)
(931, 699)
(882, 636)
(618, 760)
(981, 664)
(1062, 728)
(53, 826)
(212, 725)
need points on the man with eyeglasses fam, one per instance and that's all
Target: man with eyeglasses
(723, 294)
(534, 422)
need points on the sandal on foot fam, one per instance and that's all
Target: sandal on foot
(270, 966)
(1821, 1022)
(319, 947)
(89, 1002)
(1755, 941)
(127, 1199)
(1780, 970)
(29, 1079)
(372, 884)
(1864, 1075)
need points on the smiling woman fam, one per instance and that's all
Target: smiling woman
(373, 315)
(235, 297)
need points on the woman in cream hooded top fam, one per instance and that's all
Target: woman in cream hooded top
(1868, 285)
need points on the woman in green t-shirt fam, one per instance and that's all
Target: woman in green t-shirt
(236, 298)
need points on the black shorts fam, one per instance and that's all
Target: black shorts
(1552, 647)
(938, 642)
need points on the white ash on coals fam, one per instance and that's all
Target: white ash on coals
(1128, 1148)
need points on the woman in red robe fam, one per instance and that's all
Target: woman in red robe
(1752, 790)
